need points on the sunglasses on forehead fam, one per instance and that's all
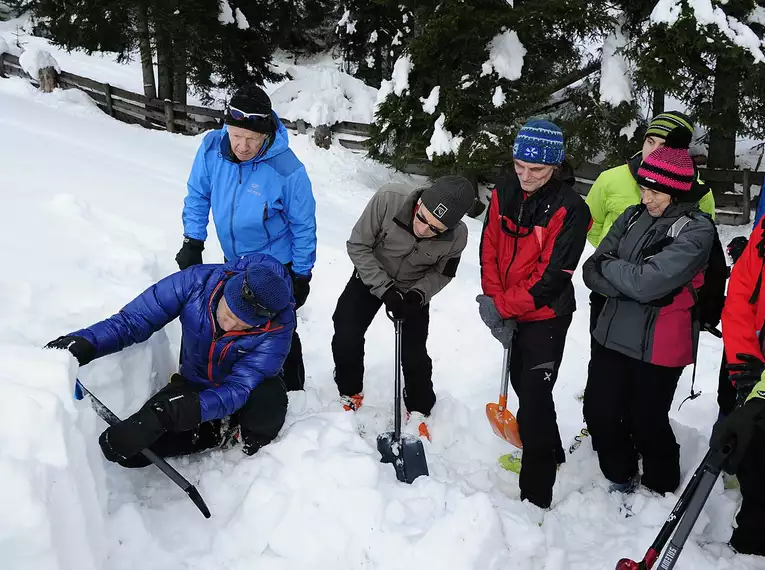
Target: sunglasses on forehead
(239, 115)
(424, 220)
(251, 299)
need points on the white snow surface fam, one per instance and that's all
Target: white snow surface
(506, 54)
(498, 99)
(101, 221)
(241, 20)
(668, 12)
(4, 47)
(225, 14)
(615, 72)
(430, 103)
(442, 141)
(35, 59)
(398, 83)
(322, 95)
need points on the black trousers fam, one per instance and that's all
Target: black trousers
(534, 363)
(597, 302)
(749, 536)
(726, 392)
(355, 311)
(259, 421)
(294, 369)
(626, 407)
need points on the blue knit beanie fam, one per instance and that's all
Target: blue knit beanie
(540, 142)
(270, 289)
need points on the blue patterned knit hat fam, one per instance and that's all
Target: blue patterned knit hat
(540, 142)
(266, 292)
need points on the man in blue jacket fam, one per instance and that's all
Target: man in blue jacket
(261, 200)
(237, 321)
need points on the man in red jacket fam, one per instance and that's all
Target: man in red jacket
(742, 319)
(532, 240)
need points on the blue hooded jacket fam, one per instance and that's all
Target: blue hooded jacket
(228, 365)
(263, 205)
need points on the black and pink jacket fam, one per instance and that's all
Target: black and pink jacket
(649, 270)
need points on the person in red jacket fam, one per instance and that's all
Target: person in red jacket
(743, 318)
(534, 234)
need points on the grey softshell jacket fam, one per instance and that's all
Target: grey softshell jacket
(385, 252)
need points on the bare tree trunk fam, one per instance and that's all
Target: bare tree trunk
(725, 103)
(144, 44)
(657, 106)
(179, 72)
(164, 44)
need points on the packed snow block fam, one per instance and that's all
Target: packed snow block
(47, 484)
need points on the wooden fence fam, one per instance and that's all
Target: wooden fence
(129, 107)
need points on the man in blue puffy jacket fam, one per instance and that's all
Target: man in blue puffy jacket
(237, 321)
(261, 200)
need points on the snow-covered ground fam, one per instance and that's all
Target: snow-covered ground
(92, 215)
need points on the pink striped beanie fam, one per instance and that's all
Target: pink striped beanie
(671, 171)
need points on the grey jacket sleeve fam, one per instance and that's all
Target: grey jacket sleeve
(361, 246)
(609, 244)
(446, 268)
(675, 266)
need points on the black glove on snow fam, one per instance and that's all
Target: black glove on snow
(738, 429)
(394, 302)
(744, 375)
(175, 408)
(736, 247)
(301, 286)
(190, 253)
(80, 348)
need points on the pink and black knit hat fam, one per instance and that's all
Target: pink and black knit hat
(671, 171)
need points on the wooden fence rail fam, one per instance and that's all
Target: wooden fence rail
(172, 116)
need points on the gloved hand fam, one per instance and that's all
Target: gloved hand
(738, 429)
(603, 258)
(394, 302)
(80, 348)
(175, 408)
(190, 253)
(413, 301)
(736, 247)
(505, 331)
(300, 288)
(488, 311)
(745, 374)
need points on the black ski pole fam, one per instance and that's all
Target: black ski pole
(700, 496)
(110, 418)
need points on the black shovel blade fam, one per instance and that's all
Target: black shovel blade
(406, 453)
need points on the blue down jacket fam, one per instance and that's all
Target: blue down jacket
(229, 365)
(264, 205)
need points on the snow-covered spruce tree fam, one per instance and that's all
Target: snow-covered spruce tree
(472, 73)
(371, 36)
(302, 26)
(710, 57)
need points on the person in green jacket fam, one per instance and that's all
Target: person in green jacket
(615, 190)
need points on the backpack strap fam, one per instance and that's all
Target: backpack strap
(677, 227)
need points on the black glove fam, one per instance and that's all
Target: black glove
(745, 374)
(736, 247)
(190, 253)
(413, 301)
(738, 429)
(80, 348)
(394, 302)
(300, 288)
(175, 408)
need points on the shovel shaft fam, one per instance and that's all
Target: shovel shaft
(504, 386)
(397, 376)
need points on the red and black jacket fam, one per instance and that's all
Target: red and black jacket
(530, 247)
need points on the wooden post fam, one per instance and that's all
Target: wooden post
(747, 195)
(169, 116)
(48, 78)
(108, 94)
(301, 126)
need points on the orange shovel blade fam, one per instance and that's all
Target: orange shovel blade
(504, 424)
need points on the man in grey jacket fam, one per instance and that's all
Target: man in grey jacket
(405, 248)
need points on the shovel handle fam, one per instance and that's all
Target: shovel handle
(505, 380)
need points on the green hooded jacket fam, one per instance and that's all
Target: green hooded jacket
(615, 190)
